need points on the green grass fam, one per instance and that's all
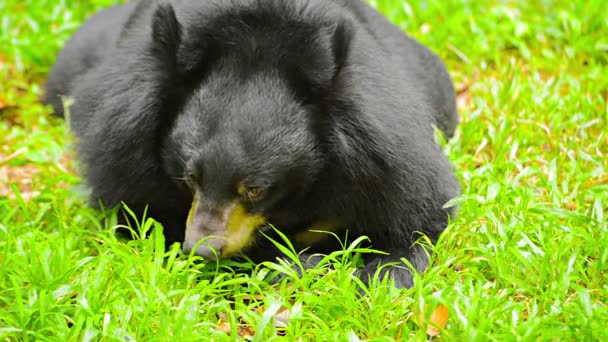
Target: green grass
(526, 259)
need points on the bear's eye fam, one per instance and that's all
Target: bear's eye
(192, 178)
(251, 193)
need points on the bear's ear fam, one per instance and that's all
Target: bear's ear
(315, 67)
(342, 37)
(166, 34)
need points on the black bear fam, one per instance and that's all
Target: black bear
(224, 119)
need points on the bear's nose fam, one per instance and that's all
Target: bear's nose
(210, 249)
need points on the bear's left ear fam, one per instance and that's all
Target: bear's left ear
(314, 67)
(166, 35)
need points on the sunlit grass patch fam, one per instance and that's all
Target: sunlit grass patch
(525, 259)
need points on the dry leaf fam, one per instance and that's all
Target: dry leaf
(225, 327)
(463, 99)
(281, 319)
(437, 321)
(246, 331)
(248, 299)
(243, 330)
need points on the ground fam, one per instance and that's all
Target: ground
(525, 259)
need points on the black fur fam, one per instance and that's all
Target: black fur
(324, 102)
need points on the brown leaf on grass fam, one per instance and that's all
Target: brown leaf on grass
(225, 327)
(596, 181)
(17, 170)
(5, 159)
(255, 298)
(3, 103)
(21, 176)
(245, 331)
(463, 91)
(463, 97)
(6, 107)
(281, 319)
(437, 321)
(242, 330)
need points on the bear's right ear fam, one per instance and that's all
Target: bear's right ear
(313, 71)
(166, 35)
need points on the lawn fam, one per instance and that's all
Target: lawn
(526, 259)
